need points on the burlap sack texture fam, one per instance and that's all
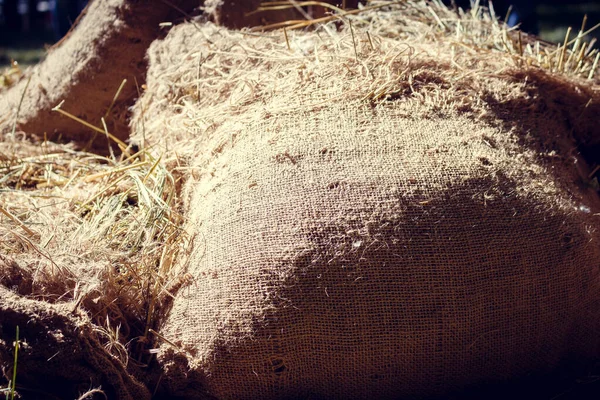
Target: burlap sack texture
(395, 208)
(107, 45)
(67, 306)
(92, 237)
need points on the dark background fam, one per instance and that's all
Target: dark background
(28, 26)
(546, 18)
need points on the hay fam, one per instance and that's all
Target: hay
(98, 234)
(98, 242)
(106, 44)
(408, 51)
(10, 76)
(298, 146)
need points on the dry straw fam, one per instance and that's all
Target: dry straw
(100, 232)
(412, 51)
(10, 75)
(483, 30)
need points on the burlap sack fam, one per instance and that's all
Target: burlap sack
(383, 211)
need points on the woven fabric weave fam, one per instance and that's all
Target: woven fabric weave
(368, 222)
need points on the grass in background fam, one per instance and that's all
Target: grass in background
(24, 56)
(27, 49)
(554, 20)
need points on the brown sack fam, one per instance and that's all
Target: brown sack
(106, 46)
(86, 68)
(388, 210)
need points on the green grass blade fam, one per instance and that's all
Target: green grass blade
(14, 377)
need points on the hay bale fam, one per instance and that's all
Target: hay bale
(386, 209)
